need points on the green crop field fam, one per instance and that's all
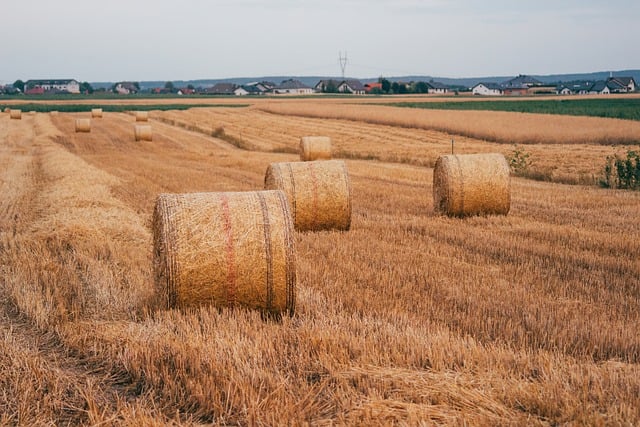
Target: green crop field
(627, 108)
(118, 108)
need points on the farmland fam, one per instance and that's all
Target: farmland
(409, 317)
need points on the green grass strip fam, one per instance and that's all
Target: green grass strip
(117, 108)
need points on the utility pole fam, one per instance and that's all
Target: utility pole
(343, 62)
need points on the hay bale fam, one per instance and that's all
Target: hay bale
(315, 148)
(319, 193)
(143, 133)
(15, 114)
(472, 184)
(83, 125)
(96, 112)
(142, 116)
(225, 249)
(7, 110)
(53, 113)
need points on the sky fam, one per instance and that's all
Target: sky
(116, 40)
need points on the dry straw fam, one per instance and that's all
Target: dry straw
(471, 184)
(319, 193)
(142, 116)
(96, 112)
(53, 112)
(83, 125)
(225, 249)
(15, 114)
(315, 148)
(143, 133)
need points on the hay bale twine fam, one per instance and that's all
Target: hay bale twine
(142, 116)
(315, 148)
(15, 114)
(83, 125)
(225, 249)
(319, 193)
(472, 184)
(96, 113)
(143, 133)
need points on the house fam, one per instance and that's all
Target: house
(437, 87)
(37, 90)
(563, 90)
(487, 89)
(250, 90)
(628, 82)
(65, 85)
(330, 86)
(223, 89)
(125, 88)
(600, 88)
(352, 86)
(186, 91)
(292, 87)
(521, 81)
(369, 87)
(515, 90)
(240, 91)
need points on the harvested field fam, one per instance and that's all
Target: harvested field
(409, 317)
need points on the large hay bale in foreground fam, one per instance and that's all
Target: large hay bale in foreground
(143, 133)
(96, 112)
(472, 184)
(142, 116)
(225, 249)
(319, 193)
(315, 148)
(15, 114)
(83, 125)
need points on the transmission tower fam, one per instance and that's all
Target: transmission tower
(343, 62)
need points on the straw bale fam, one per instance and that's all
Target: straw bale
(225, 249)
(53, 112)
(15, 114)
(315, 148)
(96, 112)
(319, 193)
(142, 116)
(83, 125)
(7, 110)
(143, 133)
(472, 184)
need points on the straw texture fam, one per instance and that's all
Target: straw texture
(96, 112)
(315, 148)
(143, 133)
(225, 249)
(472, 184)
(15, 114)
(142, 116)
(319, 193)
(83, 125)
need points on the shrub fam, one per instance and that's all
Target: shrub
(519, 161)
(622, 172)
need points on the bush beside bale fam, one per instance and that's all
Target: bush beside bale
(225, 249)
(319, 193)
(471, 184)
(315, 148)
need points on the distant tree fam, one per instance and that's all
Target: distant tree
(386, 84)
(330, 87)
(169, 86)
(376, 91)
(421, 87)
(191, 87)
(19, 84)
(395, 87)
(86, 88)
(137, 85)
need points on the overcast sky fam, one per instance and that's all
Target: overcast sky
(192, 39)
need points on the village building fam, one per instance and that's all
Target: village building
(125, 88)
(487, 89)
(64, 86)
(292, 87)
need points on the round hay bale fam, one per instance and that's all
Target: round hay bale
(225, 249)
(83, 125)
(143, 133)
(15, 114)
(319, 193)
(96, 112)
(7, 110)
(53, 113)
(142, 116)
(472, 184)
(315, 148)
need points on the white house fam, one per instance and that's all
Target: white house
(67, 85)
(488, 89)
(437, 87)
(352, 86)
(292, 87)
(240, 91)
(125, 88)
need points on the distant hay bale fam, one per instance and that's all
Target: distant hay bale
(32, 112)
(142, 116)
(315, 148)
(143, 133)
(15, 114)
(96, 113)
(225, 249)
(83, 125)
(53, 113)
(319, 193)
(471, 184)
(7, 110)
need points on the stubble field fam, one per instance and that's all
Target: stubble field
(407, 318)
